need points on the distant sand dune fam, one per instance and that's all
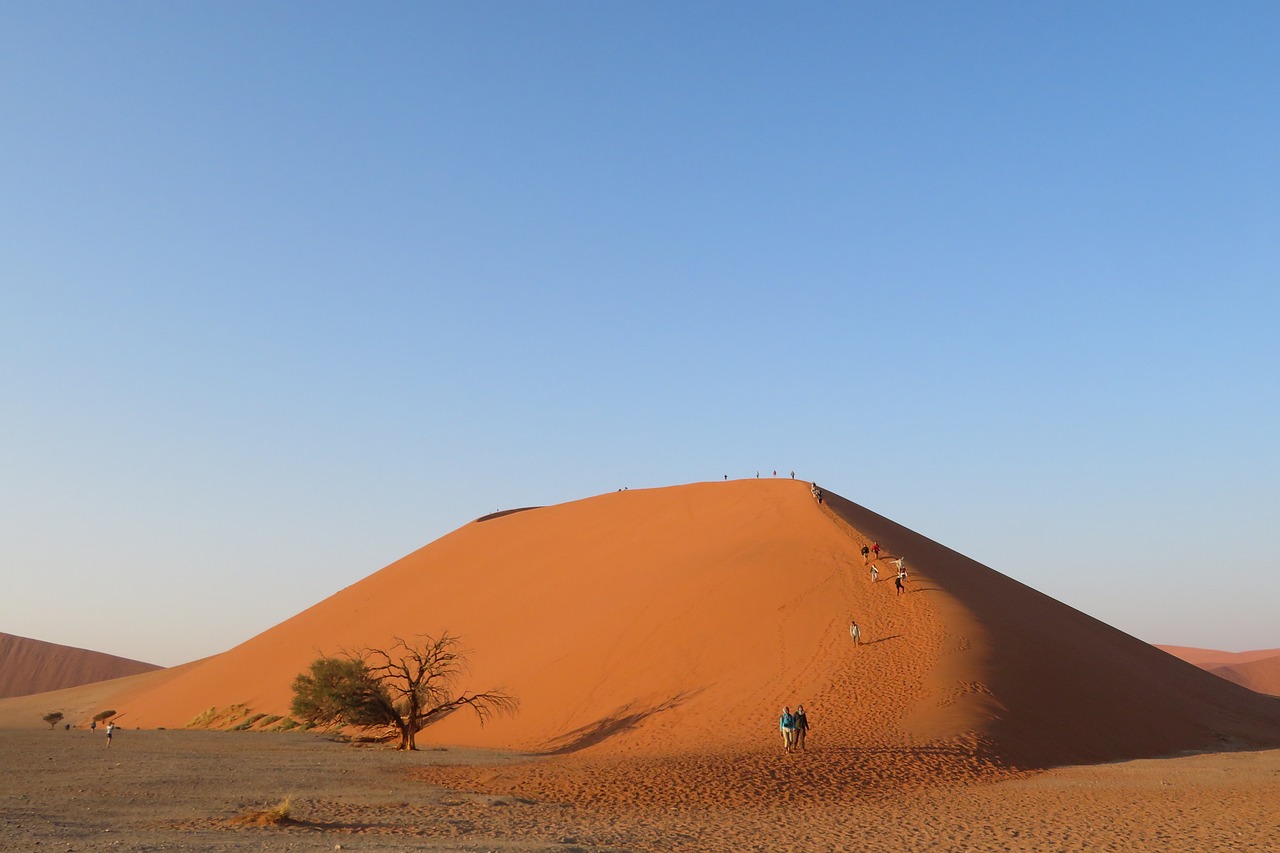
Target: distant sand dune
(33, 666)
(1258, 670)
(662, 626)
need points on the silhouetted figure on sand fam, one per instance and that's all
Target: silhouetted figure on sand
(802, 726)
(787, 725)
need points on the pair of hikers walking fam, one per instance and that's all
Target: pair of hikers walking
(794, 727)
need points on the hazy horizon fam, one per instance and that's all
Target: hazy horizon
(292, 290)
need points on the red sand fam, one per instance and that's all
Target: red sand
(33, 666)
(1258, 670)
(668, 625)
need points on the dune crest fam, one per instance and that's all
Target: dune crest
(674, 622)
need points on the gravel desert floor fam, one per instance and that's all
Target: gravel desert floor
(185, 790)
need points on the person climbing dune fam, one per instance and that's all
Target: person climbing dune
(802, 727)
(787, 725)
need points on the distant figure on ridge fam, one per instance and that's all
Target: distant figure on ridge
(855, 633)
(787, 725)
(793, 475)
(802, 726)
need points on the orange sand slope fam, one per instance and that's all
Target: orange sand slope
(1259, 670)
(680, 620)
(32, 666)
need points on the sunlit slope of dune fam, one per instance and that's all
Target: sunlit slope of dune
(681, 620)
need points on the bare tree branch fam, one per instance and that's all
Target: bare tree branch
(408, 685)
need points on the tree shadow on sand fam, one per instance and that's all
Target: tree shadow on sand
(625, 719)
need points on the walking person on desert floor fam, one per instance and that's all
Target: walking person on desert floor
(802, 727)
(855, 633)
(787, 725)
(111, 729)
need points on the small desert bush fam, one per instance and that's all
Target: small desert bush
(222, 718)
(202, 719)
(247, 724)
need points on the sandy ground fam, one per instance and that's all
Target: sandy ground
(181, 790)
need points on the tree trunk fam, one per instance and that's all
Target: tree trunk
(407, 739)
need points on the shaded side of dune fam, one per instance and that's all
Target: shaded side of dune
(1066, 688)
(30, 666)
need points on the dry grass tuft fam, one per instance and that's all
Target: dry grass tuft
(277, 815)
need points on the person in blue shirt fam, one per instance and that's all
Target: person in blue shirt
(787, 725)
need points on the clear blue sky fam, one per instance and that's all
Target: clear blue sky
(291, 289)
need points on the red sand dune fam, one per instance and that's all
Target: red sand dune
(1212, 657)
(1258, 670)
(1260, 676)
(33, 666)
(676, 621)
